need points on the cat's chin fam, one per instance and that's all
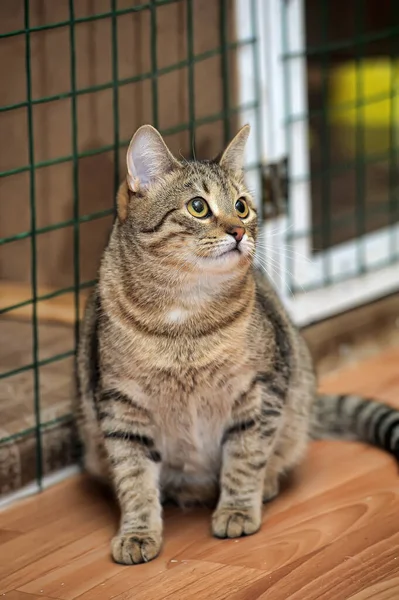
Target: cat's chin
(223, 262)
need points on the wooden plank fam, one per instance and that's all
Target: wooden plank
(17, 595)
(7, 534)
(383, 590)
(37, 511)
(195, 579)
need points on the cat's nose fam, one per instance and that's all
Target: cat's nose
(237, 233)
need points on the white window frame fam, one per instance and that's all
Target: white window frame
(306, 268)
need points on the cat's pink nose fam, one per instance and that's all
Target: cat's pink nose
(237, 233)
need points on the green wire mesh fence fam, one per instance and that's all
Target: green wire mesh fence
(27, 443)
(84, 74)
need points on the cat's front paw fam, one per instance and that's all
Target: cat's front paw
(133, 548)
(229, 522)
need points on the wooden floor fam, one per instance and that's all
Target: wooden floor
(333, 534)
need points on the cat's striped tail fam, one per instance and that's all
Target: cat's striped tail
(352, 417)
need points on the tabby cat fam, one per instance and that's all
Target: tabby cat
(194, 385)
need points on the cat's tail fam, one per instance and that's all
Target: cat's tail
(354, 418)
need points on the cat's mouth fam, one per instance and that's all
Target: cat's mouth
(234, 252)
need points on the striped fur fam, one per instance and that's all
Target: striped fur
(193, 384)
(354, 418)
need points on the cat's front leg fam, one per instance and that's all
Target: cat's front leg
(129, 437)
(247, 447)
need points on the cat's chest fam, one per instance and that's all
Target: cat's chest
(191, 429)
(190, 442)
(197, 419)
(192, 445)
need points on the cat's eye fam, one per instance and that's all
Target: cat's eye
(198, 207)
(242, 208)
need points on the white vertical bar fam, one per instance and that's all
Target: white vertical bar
(271, 254)
(299, 168)
(247, 89)
(271, 81)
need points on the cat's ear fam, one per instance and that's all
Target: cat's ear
(233, 157)
(148, 158)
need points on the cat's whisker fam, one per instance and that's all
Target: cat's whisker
(273, 232)
(191, 164)
(193, 149)
(273, 263)
(270, 275)
(283, 269)
(265, 243)
(284, 252)
(283, 245)
(279, 276)
(184, 159)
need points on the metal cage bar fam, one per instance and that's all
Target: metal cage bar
(33, 250)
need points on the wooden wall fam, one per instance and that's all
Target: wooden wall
(50, 60)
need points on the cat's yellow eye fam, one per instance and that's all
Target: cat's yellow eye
(242, 208)
(198, 207)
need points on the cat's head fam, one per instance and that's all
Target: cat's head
(195, 214)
